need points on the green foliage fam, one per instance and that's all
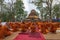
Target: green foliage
(48, 8)
(19, 9)
(56, 10)
(15, 9)
(1, 1)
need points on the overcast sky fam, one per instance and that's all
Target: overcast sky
(29, 6)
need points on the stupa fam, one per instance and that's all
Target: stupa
(33, 16)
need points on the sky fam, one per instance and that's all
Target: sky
(30, 6)
(9, 1)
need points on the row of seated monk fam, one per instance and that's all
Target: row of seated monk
(43, 27)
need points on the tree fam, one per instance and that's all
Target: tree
(19, 9)
(1, 4)
(39, 4)
(8, 11)
(13, 11)
(56, 11)
(49, 5)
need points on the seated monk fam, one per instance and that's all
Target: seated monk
(13, 27)
(17, 24)
(33, 28)
(23, 28)
(43, 28)
(53, 28)
(58, 24)
(39, 26)
(47, 27)
(1, 32)
(27, 25)
(6, 31)
(10, 24)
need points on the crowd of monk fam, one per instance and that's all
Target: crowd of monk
(43, 27)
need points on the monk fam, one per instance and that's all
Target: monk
(58, 24)
(47, 27)
(32, 28)
(13, 27)
(1, 32)
(23, 28)
(53, 28)
(43, 28)
(39, 25)
(6, 31)
(27, 25)
(17, 24)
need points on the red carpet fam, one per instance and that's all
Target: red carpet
(30, 36)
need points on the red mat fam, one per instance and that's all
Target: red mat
(30, 36)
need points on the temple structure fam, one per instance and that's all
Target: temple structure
(33, 16)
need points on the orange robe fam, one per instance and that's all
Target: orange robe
(43, 28)
(53, 28)
(33, 28)
(13, 26)
(6, 31)
(1, 33)
(23, 28)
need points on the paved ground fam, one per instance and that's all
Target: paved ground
(11, 37)
(51, 36)
(48, 36)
